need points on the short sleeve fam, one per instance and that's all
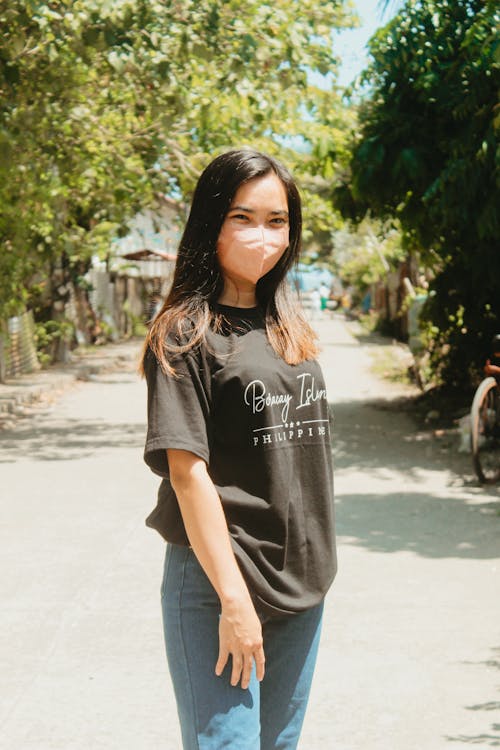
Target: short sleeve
(178, 410)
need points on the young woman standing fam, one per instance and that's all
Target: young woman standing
(238, 428)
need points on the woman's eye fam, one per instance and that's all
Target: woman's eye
(278, 220)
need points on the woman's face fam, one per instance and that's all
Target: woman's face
(255, 232)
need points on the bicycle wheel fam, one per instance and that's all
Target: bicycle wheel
(485, 431)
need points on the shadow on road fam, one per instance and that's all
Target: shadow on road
(380, 434)
(72, 439)
(420, 493)
(492, 738)
(421, 523)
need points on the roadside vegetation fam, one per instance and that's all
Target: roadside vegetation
(106, 106)
(426, 152)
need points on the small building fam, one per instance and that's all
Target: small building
(126, 289)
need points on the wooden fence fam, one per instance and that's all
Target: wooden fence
(17, 346)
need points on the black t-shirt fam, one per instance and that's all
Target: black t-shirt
(262, 427)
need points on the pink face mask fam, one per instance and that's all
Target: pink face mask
(250, 252)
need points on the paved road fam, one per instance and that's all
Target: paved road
(410, 656)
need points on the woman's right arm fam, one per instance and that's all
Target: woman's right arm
(240, 630)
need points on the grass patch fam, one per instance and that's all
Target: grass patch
(388, 363)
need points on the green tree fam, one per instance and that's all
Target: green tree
(104, 104)
(427, 152)
(366, 252)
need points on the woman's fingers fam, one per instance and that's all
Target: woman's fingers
(236, 671)
(260, 662)
(247, 671)
(222, 660)
(242, 666)
(240, 636)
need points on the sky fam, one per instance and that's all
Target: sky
(350, 43)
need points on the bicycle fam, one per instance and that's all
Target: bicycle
(485, 422)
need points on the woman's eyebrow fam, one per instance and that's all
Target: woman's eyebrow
(252, 211)
(242, 208)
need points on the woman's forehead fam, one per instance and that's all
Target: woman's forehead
(267, 190)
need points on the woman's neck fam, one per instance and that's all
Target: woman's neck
(235, 296)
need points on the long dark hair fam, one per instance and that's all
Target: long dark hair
(198, 282)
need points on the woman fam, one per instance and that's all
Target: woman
(238, 429)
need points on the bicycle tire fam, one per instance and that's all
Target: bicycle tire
(485, 431)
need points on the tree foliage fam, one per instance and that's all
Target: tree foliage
(366, 252)
(104, 104)
(427, 151)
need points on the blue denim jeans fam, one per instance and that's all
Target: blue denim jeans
(213, 714)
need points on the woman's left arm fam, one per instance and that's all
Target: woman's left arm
(240, 630)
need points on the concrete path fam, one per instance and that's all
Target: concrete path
(410, 656)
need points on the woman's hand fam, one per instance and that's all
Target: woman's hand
(240, 635)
